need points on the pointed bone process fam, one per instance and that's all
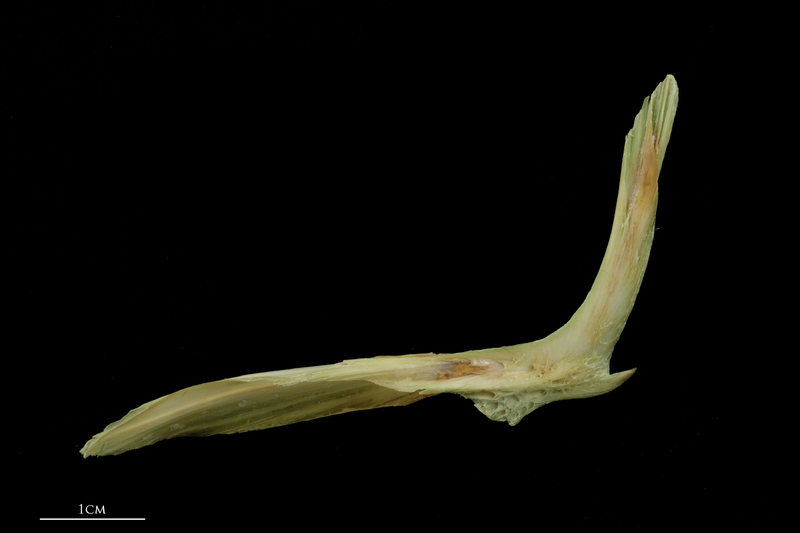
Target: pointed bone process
(505, 383)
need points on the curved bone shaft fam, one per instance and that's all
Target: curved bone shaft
(505, 383)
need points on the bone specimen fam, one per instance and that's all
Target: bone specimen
(505, 383)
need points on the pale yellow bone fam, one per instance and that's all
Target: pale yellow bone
(505, 383)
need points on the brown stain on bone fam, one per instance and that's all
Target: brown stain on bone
(458, 370)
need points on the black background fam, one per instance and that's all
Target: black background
(213, 191)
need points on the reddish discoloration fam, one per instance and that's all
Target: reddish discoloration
(458, 370)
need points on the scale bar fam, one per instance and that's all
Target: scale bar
(91, 519)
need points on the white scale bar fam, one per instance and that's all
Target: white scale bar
(91, 519)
